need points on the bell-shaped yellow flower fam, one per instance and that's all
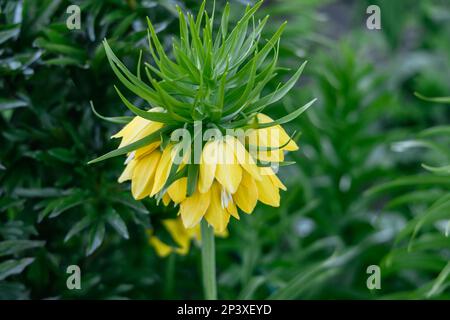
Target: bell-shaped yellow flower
(228, 175)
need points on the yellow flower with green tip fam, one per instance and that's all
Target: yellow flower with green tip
(212, 90)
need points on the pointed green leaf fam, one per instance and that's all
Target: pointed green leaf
(192, 178)
(279, 93)
(293, 115)
(78, 227)
(149, 115)
(117, 223)
(96, 236)
(121, 120)
(133, 146)
(433, 99)
(12, 267)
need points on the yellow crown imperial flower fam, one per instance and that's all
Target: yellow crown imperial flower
(204, 143)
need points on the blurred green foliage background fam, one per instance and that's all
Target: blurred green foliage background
(370, 186)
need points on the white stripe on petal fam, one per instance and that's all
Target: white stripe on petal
(225, 198)
(130, 157)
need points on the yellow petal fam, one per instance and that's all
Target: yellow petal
(243, 157)
(137, 123)
(194, 232)
(268, 193)
(217, 216)
(283, 136)
(163, 170)
(193, 208)
(273, 136)
(228, 171)
(221, 234)
(141, 152)
(166, 199)
(127, 173)
(208, 162)
(271, 155)
(232, 210)
(143, 175)
(273, 177)
(246, 196)
(177, 190)
(162, 249)
(291, 146)
(179, 235)
(139, 133)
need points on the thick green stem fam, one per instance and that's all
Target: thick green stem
(208, 261)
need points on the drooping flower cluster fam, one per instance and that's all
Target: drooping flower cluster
(214, 83)
(228, 175)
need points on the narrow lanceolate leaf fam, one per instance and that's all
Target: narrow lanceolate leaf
(196, 43)
(224, 23)
(201, 12)
(250, 45)
(279, 164)
(418, 180)
(278, 94)
(128, 202)
(78, 227)
(291, 116)
(58, 206)
(184, 33)
(433, 99)
(133, 146)
(192, 179)
(170, 104)
(6, 104)
(129, 80)
(117, 223)
(262, 54)
(440, 170)
(9, 31)
(10, 247)
(439, 283)
(154, 37)
(435, 131)
(96, 236)
(111, 119)
(12, 267)
(149, 115)
(138, 67)
(438, 210)
(249, 13)
(241, 102)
